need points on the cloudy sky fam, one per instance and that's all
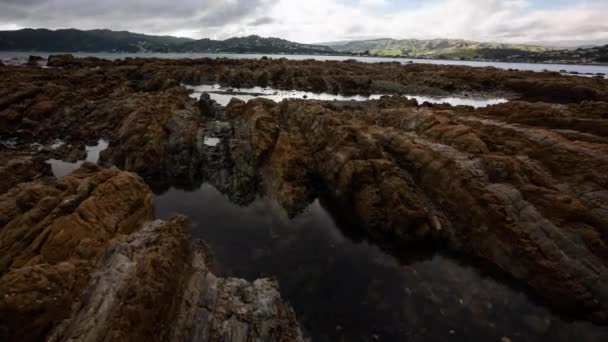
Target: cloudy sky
(311, 21)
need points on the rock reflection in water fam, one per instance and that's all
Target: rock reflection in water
(223, 95)
(345, 290)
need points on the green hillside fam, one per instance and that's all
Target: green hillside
(72, 40)
(435, 48)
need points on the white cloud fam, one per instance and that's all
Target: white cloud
(323, 20)
(509, 20)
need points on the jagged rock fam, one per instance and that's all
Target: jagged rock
(52, 233)
(60, 61)
(151, 286)
(131, 290)
(524, 198)
(353, 77)
(34, 60)
(157, 137)
(520, 185)
(81, 260)
(209, 107)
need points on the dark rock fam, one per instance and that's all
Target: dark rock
(210, 108)
(34, 60)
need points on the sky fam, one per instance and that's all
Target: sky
(313, 21)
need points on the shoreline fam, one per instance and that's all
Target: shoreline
(414, 60)
(519, 187)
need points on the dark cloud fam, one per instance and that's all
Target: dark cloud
(262, 21)
(321, 20)
(151, 16)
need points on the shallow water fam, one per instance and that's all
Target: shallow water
(344, 288)
(61, 168)
(223, 95)
(21, 57)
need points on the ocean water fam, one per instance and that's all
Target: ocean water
(223, 95)
(21, 57)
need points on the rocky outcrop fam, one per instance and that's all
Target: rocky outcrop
(34, 61)
(82, 260)
(351, 77)
(526, 199)
(521, 186)
(149, 285)
(160, 136)
(52, 233)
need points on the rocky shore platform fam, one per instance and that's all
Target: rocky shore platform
(521, 187)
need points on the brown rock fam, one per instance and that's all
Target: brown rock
(52, 234)
(59, 61)
(81, 260)
(15, 169)
(524, 198)
(151, 286)
(157, 137)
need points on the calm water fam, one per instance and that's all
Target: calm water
(344, 288)
(61, 168)
(223, 95)
(22, 56)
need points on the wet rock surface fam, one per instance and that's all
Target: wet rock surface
(519, 187)
(81, 260)
(526, 199)
(52, 232)
(351, 77)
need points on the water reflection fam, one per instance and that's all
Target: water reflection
(61, 168)
(344, 290)
(223, 95)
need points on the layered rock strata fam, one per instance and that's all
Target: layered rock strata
(529, 199)
(81, 259)
(521, 186)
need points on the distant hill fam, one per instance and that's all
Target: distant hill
(590, 55)
(434, 48)
(252, 44)
(72, 40)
